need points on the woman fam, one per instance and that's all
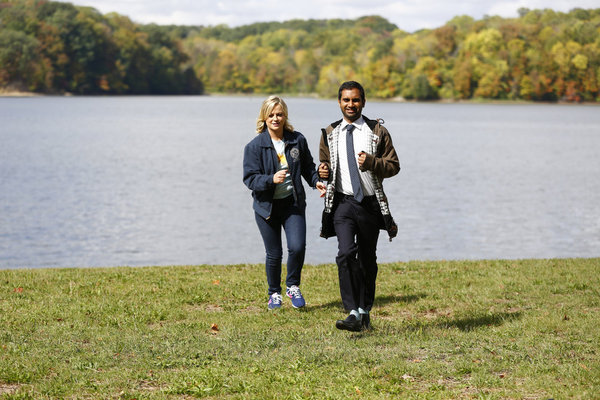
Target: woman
(274, 163)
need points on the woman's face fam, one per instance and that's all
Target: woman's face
(276, 119)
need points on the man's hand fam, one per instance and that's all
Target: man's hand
(362, 156)
(323, 171)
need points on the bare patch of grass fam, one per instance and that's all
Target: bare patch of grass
(6, 388)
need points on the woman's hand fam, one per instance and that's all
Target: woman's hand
(322, 188)
(279, 176)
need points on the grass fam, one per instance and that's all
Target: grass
(522, 329)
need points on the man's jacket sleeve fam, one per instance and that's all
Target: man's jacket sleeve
(385, 163)
(324, 154)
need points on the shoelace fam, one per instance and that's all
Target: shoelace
(294, 291)
(276, 298)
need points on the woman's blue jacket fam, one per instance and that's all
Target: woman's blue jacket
(261, 163)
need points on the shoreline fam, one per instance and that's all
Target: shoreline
(17, 94)
(14, 93)
(310, 265)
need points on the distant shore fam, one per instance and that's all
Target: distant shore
(12, 93)
(398, 99)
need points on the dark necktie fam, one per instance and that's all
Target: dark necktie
(352, 165)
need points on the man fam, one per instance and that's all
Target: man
(356, 154)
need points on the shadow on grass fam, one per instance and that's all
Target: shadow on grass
(379, 301)
(467, 324)
(464, 324)
(405, 299)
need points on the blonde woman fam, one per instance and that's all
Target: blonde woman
(275, 162)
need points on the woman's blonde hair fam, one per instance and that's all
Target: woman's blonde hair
(267, 106)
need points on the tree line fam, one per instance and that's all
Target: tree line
(55, 47)
(541, 55)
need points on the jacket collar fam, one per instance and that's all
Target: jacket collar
(265, 138)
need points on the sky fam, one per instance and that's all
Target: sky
(408, 15)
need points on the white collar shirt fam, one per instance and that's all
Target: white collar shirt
(360, 137)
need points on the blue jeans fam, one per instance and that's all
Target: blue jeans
(284, 214)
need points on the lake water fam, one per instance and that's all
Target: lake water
(108, 181)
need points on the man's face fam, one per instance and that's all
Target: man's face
(351, 104)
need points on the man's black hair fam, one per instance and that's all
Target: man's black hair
(349, 85)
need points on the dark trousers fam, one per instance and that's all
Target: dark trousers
(289, 217)
(357, 229)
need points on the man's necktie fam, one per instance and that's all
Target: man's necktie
(352, 165)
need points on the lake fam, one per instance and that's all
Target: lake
(111, 181)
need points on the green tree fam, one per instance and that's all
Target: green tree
(18, 60)
(308, 71)
(330, 78)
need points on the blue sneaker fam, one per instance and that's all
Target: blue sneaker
(293, 293)
(275, 301)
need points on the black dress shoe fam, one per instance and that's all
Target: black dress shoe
(365, 320)
(349, 324)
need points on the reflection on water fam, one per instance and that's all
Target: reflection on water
(106, 181)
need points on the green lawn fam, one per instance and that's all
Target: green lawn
(522, 329)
